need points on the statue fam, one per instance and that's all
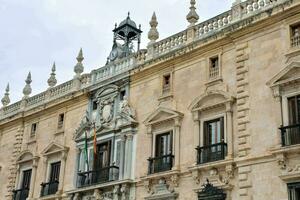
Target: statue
(125, 110)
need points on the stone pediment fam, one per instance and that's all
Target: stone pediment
(162, 114)
(54, 148)
(24, 156)
(289, 74)
(211, 99)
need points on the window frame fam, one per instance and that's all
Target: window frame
(61, 124)
(219, 76)
(292, 186)
(285, 106)
(161, 132)
(211, 118)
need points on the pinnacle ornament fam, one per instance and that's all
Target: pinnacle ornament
(153, 34)
(6, 100)
(192, 16)
(78, 69)
(52, 79)
(27, 89)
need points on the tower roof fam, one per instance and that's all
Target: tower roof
(128, 21)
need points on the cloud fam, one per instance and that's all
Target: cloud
(36, 33)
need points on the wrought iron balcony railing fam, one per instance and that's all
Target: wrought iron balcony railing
(102, 175)
(20, 194)
(290, 135)
(211, 153)
(160, 164)
(49, 188)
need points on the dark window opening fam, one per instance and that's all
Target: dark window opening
(166, 83)
(95, 105)
(122, 95)
(22, 193)
(295, 35)
(33, 129)
(214, 67)
(61, 118)
(294, 191)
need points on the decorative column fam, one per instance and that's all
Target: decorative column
(62, 172)
(128, 156)
(122, 157)
(177, 144)
(229, 125)
(33, 175)
(196, 118)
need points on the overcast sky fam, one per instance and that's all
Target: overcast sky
(35, 33)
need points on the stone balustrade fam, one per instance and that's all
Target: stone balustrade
(112, 69)
(170, 43)
(240, 11)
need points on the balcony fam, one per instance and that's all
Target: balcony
(290, 135)
(211, 153)
(102, 175)
(49, 188)
(20, 194)
(160, 164)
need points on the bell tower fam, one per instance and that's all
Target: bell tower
(126, 36)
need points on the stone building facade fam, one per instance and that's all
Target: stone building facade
(210, 113)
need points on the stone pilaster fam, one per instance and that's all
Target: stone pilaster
(13, 165)
(244, 137)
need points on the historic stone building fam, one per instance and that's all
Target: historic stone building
(209, 113)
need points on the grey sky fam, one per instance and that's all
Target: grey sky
(35, 33)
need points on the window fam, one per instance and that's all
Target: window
(122, 95)
(163, 145)
(214, 148)
(214, 68)
(22, 193)
(290, 135)
(294, 110)
(95, 105)
(33, 129)
(295, 35)
(166, 83)
(61, 118)
(103, 155)
(294, 191)
(213, 131)
(163, 159)
(51, 186)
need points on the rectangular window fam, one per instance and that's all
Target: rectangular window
(294, 191)
(166, 83)
(164, 144)
(214, 68)
(213, 131)
(61, 118)
(54, 172)
(103, 155)
(295, 35)
(294, 110)
(122, 95)
(95, 105)
(33, 129)
(26, 179)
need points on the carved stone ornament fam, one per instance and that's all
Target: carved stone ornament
(106, 110)
(126, 114)
(84, 125)
(76, 196)
(162, 192)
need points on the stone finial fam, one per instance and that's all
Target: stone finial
(6, 100)
(52, 79)
(78, 69)
(192, 16)
(27, 89)
(153, 34)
